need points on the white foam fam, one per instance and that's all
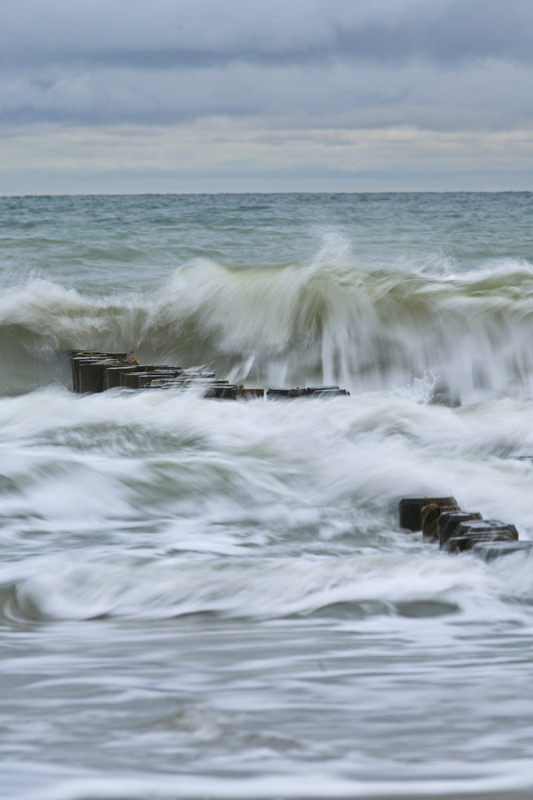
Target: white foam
(329, 319)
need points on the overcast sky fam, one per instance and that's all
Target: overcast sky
(265, 95)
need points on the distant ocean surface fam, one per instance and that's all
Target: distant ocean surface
(209, 599)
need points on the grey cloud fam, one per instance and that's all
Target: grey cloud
(445, 64)
(299, 97)
(208, 33)
(447, 33)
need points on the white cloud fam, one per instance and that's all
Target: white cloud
(219, 144)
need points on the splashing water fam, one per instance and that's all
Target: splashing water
(203, 598)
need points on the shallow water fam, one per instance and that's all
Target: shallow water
(214, 599)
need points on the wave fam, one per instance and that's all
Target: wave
(328, 320)
(412, 585)
(183, 506)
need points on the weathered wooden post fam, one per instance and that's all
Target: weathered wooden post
(411, 509)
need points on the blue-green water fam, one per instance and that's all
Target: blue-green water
(202, 599)
(72, 238)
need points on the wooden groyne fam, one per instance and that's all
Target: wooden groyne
(441, 520)
(97, 372)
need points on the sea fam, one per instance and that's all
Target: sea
(203, 598)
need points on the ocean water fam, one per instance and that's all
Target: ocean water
(208, 599)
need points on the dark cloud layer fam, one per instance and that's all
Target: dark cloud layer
(207, 33)
(439, 66)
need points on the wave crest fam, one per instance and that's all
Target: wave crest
(327, 320)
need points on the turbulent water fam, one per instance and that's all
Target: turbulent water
(214, 599)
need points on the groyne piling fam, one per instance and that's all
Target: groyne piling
(310, 391)
(489, 551)
(88, 368)
(113, 375)
(440, 519)
(94, 372)
(448, 522)
(411, 509)
(430, 516)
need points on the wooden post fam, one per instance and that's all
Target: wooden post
(411, 509)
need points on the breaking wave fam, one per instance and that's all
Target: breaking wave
(328, 320)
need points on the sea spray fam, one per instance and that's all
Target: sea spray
(203, 598)
(309, 322)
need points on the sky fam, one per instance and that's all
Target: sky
(134, 96)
